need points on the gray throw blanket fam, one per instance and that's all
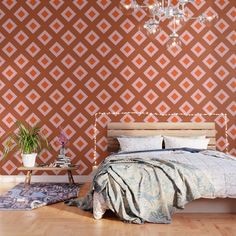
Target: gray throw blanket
(142, 190)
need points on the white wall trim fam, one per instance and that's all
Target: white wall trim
(45, 178)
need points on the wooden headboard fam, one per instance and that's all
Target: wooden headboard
(183, 129)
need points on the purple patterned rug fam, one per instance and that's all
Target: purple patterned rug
(37, 195)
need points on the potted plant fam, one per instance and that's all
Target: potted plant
(30, 142)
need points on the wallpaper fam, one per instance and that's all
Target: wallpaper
(61, 62)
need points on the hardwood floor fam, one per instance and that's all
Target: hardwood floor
(59, 219)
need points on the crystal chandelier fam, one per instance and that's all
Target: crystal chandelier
(161, 10)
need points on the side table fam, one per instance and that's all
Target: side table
(31, 169)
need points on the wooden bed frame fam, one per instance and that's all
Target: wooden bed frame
(183, 129)
(186, 129)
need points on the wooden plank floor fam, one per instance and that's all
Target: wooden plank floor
(59, 219)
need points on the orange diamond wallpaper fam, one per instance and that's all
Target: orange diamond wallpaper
(63, 61)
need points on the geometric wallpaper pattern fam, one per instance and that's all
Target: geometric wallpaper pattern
(63, 61)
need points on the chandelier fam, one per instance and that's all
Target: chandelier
(161, 10)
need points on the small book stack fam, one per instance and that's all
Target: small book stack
(62, 161)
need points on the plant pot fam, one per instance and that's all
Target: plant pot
(29, 159)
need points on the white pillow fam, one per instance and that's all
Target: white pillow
(129, 144)
(180, 142)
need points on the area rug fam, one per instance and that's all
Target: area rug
(37, 195)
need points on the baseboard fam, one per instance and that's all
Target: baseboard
(45, 178)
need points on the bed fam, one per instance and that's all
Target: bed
(151, 185)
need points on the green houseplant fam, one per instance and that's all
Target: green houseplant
(28, 140)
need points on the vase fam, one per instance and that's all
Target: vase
(29, 159)
(62, 150)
